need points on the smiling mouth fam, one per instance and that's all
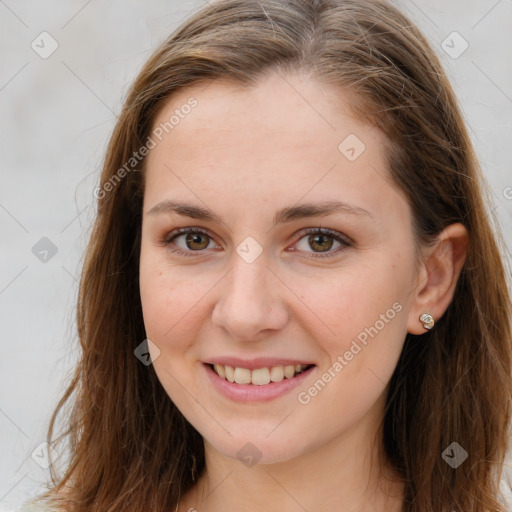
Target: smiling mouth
(258, 376)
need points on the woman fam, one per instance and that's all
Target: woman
(292, 298)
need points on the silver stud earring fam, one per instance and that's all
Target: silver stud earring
(428, 321)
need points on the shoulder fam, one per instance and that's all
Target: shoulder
(506, 484)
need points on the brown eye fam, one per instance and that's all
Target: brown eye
(321, 242)
(196, 241)
(187, 241)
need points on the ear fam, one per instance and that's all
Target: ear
(438, 274)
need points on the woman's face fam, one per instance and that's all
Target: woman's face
(253, 287)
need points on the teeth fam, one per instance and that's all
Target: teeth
(259, 376)
(289, 371)
(230, 373)
(242, 376)
(276, 373)
(220, 370)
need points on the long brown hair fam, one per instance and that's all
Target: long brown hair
(129, 447)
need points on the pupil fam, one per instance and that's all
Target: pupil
(195, 239)
(320, 239)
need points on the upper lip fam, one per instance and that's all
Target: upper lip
(259, 362)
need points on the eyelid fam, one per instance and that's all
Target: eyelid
(341, 237)
(184, 231)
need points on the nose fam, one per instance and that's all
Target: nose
(251, 301)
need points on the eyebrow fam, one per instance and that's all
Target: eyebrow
(287, 214)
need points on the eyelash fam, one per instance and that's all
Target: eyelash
(344, 240)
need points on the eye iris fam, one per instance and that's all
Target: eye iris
(195, 238)
(319, 239)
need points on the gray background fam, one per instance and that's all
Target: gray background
(56, 116)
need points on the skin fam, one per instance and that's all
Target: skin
(245, 153)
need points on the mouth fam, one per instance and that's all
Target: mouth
(259, 376)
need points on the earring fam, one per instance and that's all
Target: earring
(428, 321)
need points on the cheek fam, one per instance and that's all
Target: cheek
(366, 312)
(173, 313)
(348, 304)
(172, 302)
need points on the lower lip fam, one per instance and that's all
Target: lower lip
(251, 392)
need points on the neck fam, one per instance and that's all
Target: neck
(346, 474)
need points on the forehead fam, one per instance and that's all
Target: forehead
(287, 136)
(301, 110)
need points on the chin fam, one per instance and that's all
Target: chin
(254, 446)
